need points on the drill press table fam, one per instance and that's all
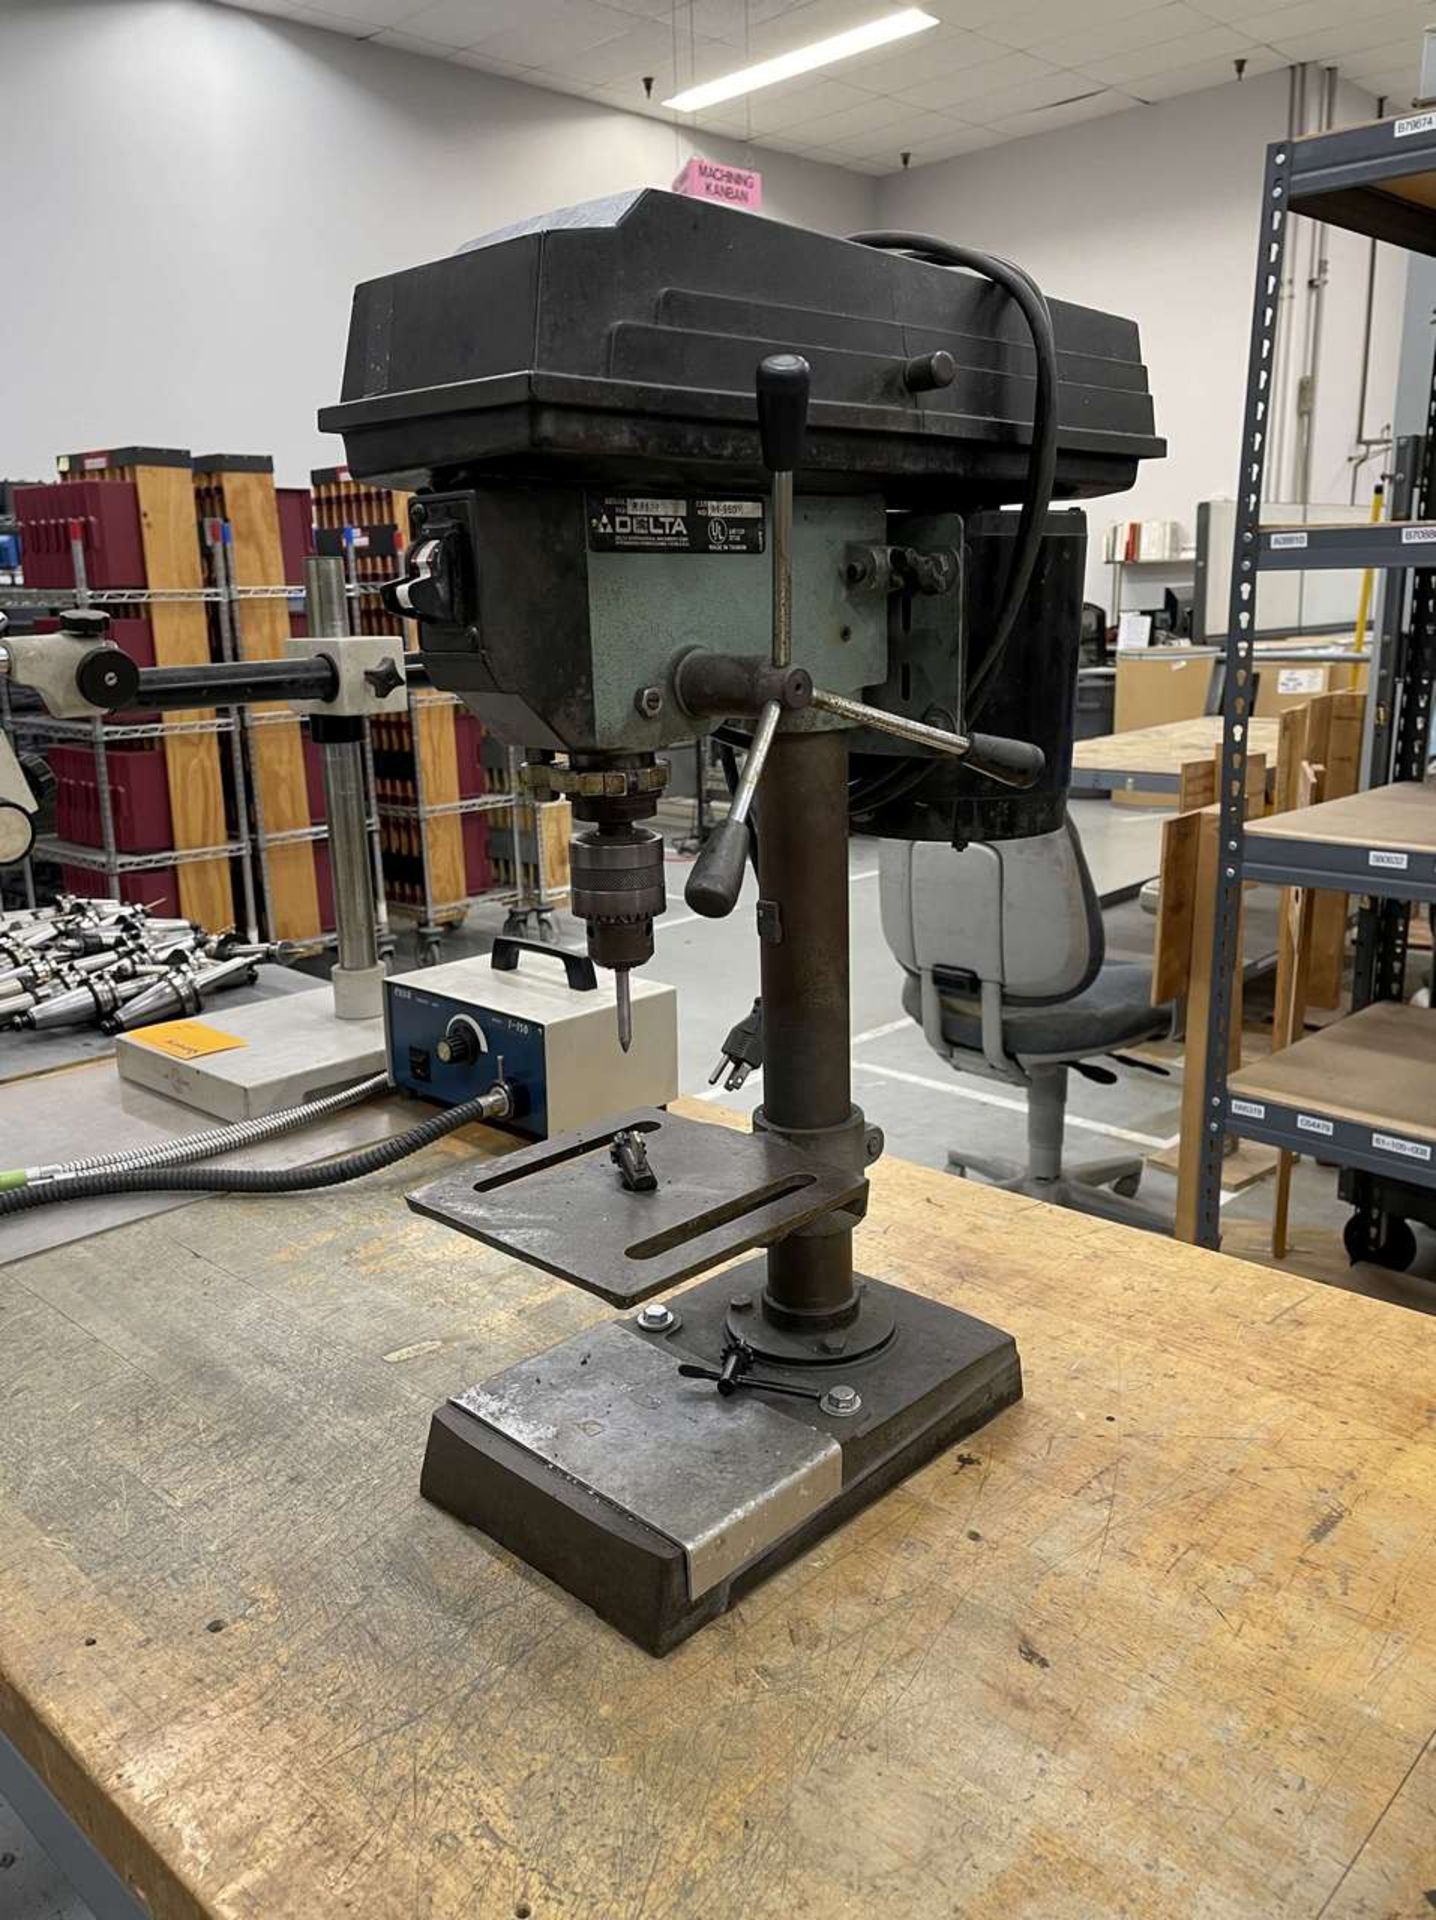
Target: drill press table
(1159, 1638)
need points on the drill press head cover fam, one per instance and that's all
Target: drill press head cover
(573, 400)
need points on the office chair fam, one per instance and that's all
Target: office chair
(1004, 951)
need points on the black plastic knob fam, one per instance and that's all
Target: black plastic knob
(783, 384)
(107, 678)
(460, 1044)
(1015, 763)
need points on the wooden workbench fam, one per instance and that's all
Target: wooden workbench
(1158, 1641)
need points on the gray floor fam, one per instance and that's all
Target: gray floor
(922, 1107)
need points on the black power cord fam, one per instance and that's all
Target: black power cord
(1042, 466)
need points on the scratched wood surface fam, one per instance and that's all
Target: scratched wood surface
(1157, 1641)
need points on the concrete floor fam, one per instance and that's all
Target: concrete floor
(921, 1105)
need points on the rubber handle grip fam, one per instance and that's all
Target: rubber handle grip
(783, 383)
(1016, 763)
(582, 975)
(716, 877)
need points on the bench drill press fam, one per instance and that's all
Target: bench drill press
(681, 470)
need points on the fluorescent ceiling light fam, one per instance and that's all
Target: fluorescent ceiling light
(822, 53)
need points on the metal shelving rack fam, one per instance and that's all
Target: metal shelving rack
(1378, 180)
(40, 727)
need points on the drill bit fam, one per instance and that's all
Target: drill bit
(625, 1007)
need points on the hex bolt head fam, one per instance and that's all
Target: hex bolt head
(741, 1303)
(649, 702)
(841, 1401)
(656, 1318)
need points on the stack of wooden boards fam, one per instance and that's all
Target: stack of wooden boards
(169, 523)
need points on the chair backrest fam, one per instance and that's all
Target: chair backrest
(1022, 915)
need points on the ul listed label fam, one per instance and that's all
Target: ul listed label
(645, 523)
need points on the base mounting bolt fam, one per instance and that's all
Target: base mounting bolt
(841, 1401)
(656, 1318)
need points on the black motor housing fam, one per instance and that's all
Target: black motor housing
(1032, 696)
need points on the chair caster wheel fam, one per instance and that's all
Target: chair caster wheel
(956, 1166)
(1127, 1186)
(1395, 1250)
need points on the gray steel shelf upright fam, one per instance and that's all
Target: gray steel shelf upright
(1378, 180)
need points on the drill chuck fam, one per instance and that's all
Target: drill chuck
(617, 880)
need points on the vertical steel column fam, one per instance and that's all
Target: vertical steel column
(218, 538)
(97, 734)
(803, 934)
(359, 974)
(1236, 704)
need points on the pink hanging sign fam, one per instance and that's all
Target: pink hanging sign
(710, 180)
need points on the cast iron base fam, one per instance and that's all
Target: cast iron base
(584, 1525)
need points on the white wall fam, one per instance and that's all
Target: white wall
(192, 193)
(1153, 213)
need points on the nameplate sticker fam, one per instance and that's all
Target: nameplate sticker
(1312, 1123)
(645, 523)
(1390, 1143)
(1248, 1109)
(187, 1039)
(1418, 536)
(1383, 857)
(1415, 123)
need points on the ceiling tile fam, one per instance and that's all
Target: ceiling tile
(1397, 56)
(1120, 36)
(1364, 28)
(1202, 74)
(989, 108)
(971, 83)
(481, 62)
(869, 113)
(551, 32)
(1031, 25)
(401, 42)
(787, 107)
(1070, 113)
(374, 13)
(902, 136)
(940, 50)
(459, 23)
(1213, 43)
(1264, 20)
(639, 50)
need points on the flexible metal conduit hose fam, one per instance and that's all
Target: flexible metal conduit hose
(213, 1141)
(496, 1104)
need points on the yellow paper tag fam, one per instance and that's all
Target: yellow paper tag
(187, 1039)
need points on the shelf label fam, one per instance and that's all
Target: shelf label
(1415, 123)
(1301, 680)
(1248, 1109)
(1418, 536)
(1281, 542)
(1312, 1123)
(1389, 1143)
(1383, 857)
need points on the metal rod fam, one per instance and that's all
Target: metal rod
(782, 569)
(353, 875)
(217, 537)
(753, 766)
